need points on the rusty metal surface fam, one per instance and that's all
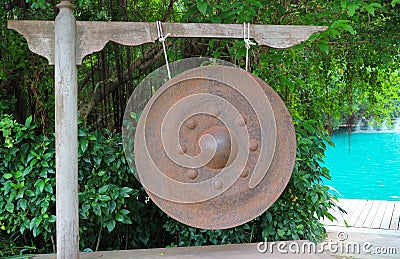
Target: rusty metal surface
(214, 147)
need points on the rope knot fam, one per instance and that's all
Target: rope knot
(248, 43)
(162, 39)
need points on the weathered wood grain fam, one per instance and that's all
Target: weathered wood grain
(93, 36)
(363, 214)
(358, 207)
(38, 34)
(394, 223)
(376, 223)
(387, 217)
(372, 214)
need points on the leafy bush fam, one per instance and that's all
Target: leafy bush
(115, 212)
(27, 192)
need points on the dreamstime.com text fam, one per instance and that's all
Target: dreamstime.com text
(330, 246)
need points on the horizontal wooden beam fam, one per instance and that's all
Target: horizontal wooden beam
(93, 36)
(38, 34)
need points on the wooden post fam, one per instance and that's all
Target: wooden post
(66, 128)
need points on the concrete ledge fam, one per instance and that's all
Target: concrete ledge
(372, 243)
(238, 251)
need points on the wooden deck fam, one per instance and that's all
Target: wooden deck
(370, 214)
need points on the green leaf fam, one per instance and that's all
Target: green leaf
(351, 9)
(348, 28)
(324, 46)
(22, 204)
(32, 223)
(97, 160)
(104, 198)
(7, 176)
(370, 10)
(40, 184)
(202, 6)
(110, 225)
(84, 145)
(342, 24)
(20, 193)
(30, 193)
(18, 174)
(119, 217)
(126, 190)
(28, 121)
(394, 2)
(376, 5)
(103, 189)
(314, 198)
(96, 209)
(281, 232)
(81, 132)
(52, 218)
(85, 207)
(48, 188)
(27, 169)
(9, 207)
(127, 220)
(124, 212)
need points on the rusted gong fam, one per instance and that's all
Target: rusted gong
(214, 147)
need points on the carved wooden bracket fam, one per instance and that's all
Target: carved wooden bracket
(93, 36)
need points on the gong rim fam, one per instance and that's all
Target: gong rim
(240, 202)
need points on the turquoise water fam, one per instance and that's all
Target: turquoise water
(366, 165)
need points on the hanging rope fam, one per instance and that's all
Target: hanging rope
(247, 42)
(162, 38)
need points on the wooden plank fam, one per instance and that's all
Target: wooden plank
(364, 214)
(376, 223)
(351, 205)
(93, 36)
(371, 214)
(385, 224)
(38, 34)
(394, 223)
(274, 36)
(356, 212)
(342, 217)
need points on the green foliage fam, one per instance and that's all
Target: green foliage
(27, 170)
(27, 192)
(105, 199)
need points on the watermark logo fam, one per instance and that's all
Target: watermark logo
(342, 246)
